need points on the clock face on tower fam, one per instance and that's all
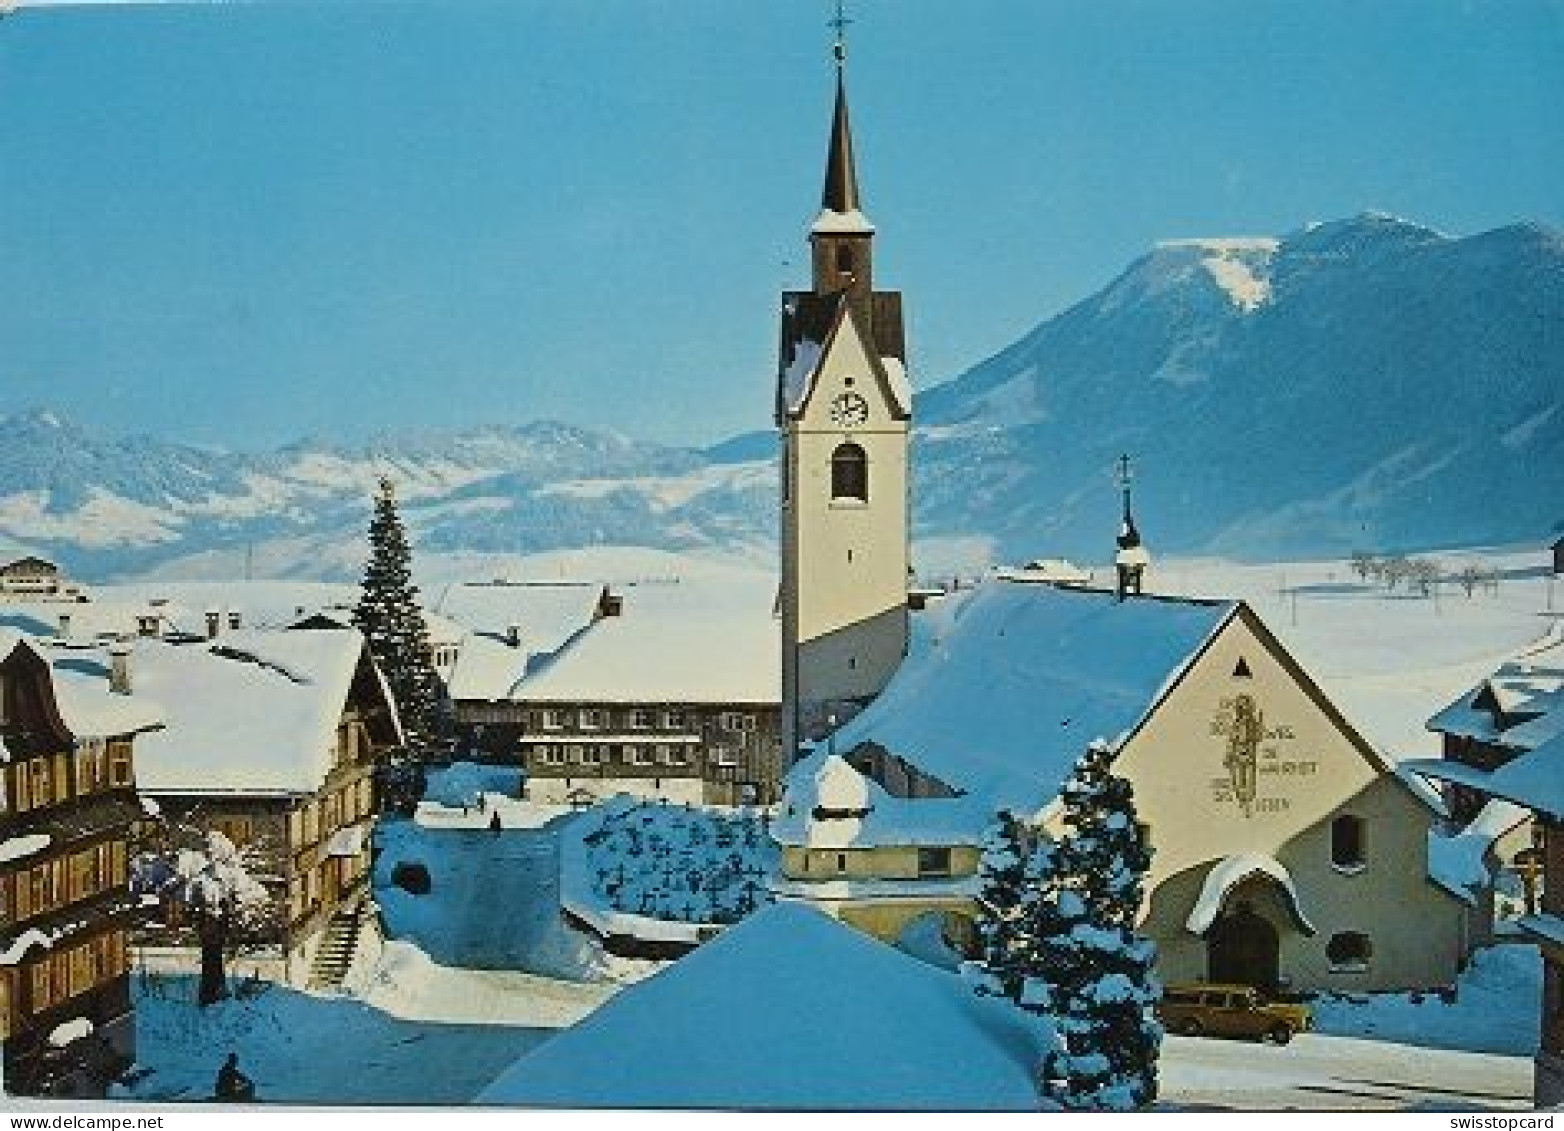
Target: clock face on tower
(848, 410)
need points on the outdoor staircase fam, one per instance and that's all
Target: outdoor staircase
(338, 945)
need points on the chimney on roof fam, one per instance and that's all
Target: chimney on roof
(214, 620)
(146, 624)
(65, 626)
(235, 619)
(612, 604)
(119, 668)
(513, 635)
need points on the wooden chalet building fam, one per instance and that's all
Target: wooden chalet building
(663, 689)
(67, 807)
(1505, 744)
(273, 739)
(1507, 715)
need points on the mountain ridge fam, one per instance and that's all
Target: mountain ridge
(1359, 383)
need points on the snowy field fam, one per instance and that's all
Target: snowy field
(1390, 659)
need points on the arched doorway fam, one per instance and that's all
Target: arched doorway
(1243, 947)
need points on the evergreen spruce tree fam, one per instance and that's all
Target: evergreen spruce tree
(389, 616)
(1003, 909)
(1098, 967)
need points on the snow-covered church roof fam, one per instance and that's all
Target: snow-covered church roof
(1007, 684)
(789, 1010)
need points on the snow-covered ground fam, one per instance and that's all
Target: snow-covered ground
(1495, 1009)
(1335, 1074)
(302, 1048)
(1390, 659)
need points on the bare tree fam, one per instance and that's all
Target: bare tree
(1363, 564)
(1394, 570)
(1423, 574)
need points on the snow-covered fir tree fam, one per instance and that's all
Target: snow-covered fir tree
(204, 874)
(1006, 907)
(1098, 969)
(391, 620)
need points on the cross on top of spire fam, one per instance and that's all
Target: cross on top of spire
(838, 23)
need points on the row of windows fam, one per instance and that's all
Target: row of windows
(321, 817)
(58, 977)
(52, 779)
(53, 884)
(638, 718)
(663, 754)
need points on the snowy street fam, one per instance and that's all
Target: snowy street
(1332, 1073)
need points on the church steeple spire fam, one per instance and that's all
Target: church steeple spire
(841, 176)
(841, 234)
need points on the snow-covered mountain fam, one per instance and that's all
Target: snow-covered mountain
(1363, 383)
(1366, 383)
(109, 508)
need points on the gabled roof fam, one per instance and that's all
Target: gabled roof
(790, 1010)
(708, 642)
(1520, 706)
(1008, 684)
(1533, 778)
(546, 616)
(811, 326)
(252, 712)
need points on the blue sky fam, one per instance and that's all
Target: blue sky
(240, 224)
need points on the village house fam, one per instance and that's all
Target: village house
(1288, 854)
(34, 579)
(273, 739)
(67, 807)
(1514, 710)
(659, 689)
(1505, 747)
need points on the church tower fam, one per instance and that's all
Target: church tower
(844, 409)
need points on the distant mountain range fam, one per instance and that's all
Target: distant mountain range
(1363, 383)
(1366, 383)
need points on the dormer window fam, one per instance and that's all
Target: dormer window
(850, 473)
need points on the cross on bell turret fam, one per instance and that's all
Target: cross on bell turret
(1132, 559)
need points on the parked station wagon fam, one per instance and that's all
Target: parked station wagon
(1223, 1010)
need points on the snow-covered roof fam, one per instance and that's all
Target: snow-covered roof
(29, 844)
(829, 804)
(87, 706)
(546, 613)
(1529, 692)
(790, 1010)
(686, 642)
(1228, 873)
(1533, 778)
(252, 712)
(1008, 683)
(1459, 863)
(543, 615)
(851, 222)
